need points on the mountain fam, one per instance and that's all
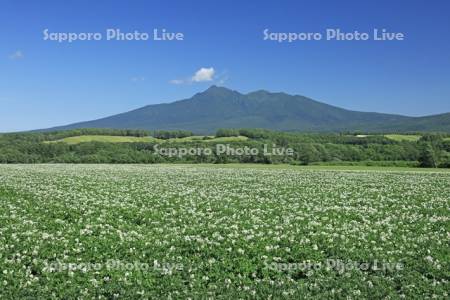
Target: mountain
(219, 107)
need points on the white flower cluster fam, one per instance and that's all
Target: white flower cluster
(224, 226)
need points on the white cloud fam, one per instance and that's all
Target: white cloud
(177, 81)
(16, 55)
(136, 79)
(202, 75)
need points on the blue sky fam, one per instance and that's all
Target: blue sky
(46, 83)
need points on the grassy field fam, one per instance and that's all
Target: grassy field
(104, 138)
(407, 137)
(131, 139)
(403, 137)
(209, 139)
(226, 232)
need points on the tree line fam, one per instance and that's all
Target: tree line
(431, 150)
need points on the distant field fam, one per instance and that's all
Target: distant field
(229, 139)
(105, 138)
(132, 139)
(407, 137)
(208, 139)
(403, 137)
(400, 137)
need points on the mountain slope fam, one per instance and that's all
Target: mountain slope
(218, 107)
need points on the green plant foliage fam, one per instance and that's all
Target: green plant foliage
(219, 232)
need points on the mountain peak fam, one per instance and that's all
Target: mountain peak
(217, 91)
(259, 92)
(214, 88)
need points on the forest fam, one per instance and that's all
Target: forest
(349, 148)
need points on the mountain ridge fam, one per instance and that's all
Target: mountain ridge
(220, 107)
